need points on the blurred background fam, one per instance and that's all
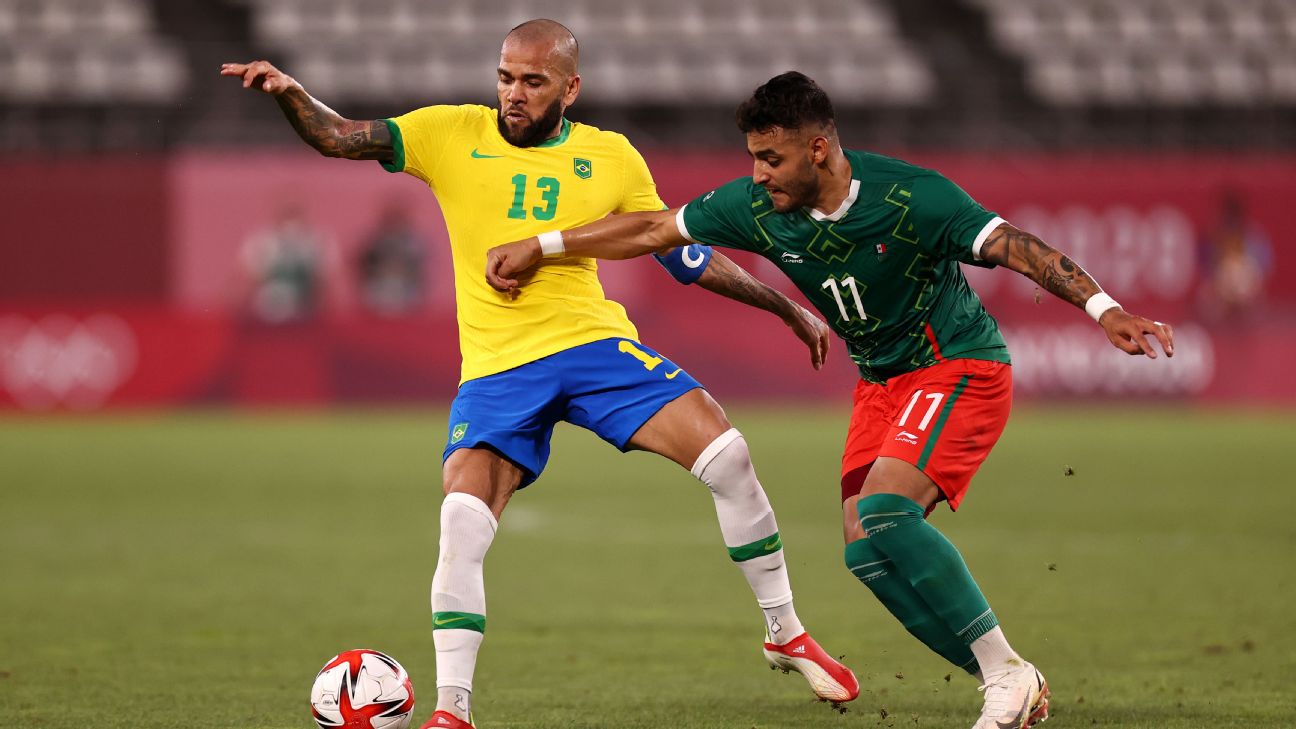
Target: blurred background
(166, 240)
(174, 262)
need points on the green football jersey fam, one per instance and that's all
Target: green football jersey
(883, 269)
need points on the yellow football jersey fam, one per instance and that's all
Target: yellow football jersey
(491, 193)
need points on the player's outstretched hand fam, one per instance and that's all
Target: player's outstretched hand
(811, 330)
(504, 263)
(260, 75)
(1128, 332)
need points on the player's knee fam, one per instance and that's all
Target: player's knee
(879, 512)
(723, 460)
(481, 474)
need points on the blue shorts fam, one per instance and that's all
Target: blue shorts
(611, 387)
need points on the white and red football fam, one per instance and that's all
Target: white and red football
(362, 689)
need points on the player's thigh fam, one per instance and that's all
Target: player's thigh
(636, 399)
(483, 473)
(952, 415)
(887, 476)
(499, 432)
(871, 416)
(683, 428)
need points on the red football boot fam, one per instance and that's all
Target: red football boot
(830, 680)
(446, 720)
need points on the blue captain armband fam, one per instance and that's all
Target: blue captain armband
(686, 263)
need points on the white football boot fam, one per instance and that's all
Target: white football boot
(1017, 699)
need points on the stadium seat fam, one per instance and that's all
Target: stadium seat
(86, 52)
(670, 51)
(1177, 53)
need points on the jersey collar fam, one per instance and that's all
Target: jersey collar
(841, 209)
(562, 136)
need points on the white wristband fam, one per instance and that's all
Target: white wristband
(551, 243)
(1098, 304)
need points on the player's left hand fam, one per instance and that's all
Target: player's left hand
(811, 330)
(504, 263)
(1128, 333)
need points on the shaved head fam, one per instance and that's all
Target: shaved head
(537, 81)
(564, 52)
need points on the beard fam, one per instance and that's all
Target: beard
(800, 191)
(535, 132)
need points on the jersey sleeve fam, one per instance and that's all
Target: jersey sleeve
(722, 217)
(638, 191)
(419, 139)
(949, 223)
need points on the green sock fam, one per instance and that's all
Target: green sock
(874, 569)
(929, 562)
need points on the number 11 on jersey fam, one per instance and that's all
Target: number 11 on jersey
(835, 286)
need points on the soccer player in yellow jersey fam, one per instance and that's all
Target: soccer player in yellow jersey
(558, 349)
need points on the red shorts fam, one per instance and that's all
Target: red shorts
(944, 419)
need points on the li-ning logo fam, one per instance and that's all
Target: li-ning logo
(907, 437)
(791, 258)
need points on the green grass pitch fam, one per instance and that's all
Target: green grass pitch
(195, 570)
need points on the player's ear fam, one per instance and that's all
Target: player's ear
(818, 149)
(573, 90)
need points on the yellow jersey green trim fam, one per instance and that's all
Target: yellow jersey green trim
(398, 148)
(562, 136)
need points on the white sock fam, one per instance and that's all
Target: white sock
(456, 700)
(467, 529)
(746, 518)
(994, 655)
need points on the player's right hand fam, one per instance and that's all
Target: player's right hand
(811, 330)
(260, 75)
(1127, 332)
(504, 263)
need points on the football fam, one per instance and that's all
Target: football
(362, 689)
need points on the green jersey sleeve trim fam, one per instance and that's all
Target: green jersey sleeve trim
(981, 237)
(723, 217)
(683, 227)
(398, 148)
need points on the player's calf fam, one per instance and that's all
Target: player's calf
(749, 529)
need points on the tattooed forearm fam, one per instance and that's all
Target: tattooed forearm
(1033, 258)
(326, 131)
(724, 277)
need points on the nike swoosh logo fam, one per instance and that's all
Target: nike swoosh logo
(447, 621)
(1021, 716)
(479, 155)
(671, 376)
(772, 544)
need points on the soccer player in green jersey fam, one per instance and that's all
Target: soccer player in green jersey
(875, 244)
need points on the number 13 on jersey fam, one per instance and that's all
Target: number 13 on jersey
(549, 194)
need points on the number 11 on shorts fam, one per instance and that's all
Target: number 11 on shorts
(935, 399)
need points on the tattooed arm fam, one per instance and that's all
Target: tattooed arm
(1059, 275)
(724, 277)
(317, 125)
